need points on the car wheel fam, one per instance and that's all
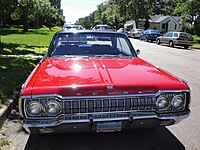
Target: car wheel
(158, 41)
(140, 38)
(146, 39)
(171, 44)
(186, 47)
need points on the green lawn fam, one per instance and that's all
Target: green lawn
(196, 44)
(14, 71)
(34, 42)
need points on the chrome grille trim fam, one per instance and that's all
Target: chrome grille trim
(43, 123)
(138, 102)
(130, 95)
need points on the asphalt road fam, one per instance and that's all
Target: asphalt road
(186, 65)
(185, 135)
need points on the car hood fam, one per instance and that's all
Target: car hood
(99, 76)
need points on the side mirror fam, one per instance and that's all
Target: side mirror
(137, 51)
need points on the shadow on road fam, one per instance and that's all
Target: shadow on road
(142, 139)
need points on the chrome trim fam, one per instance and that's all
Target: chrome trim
(103, 96)
(176, 117)
(61, 99)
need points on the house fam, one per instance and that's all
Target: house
(159, 22)
(130, 24)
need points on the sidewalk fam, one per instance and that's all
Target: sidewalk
(23, 56)
(14, 135)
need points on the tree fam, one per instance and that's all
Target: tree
(7, 8)
(41, 11)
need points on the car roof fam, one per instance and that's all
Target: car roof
(88, 31)
(177, 32)
(151, 30)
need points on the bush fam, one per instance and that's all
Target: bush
(197, 26)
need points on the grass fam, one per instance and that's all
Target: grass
(13, 70)
(196, 43)
(4, 142)
(34, 42)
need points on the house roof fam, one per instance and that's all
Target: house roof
(159, 18)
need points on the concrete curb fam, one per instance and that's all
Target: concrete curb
(5, 111)
(195, 48)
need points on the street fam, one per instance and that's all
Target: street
(184, 63)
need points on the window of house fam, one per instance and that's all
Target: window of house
(163, 26)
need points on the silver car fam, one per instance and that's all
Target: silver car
(135, 33)
(176, 38)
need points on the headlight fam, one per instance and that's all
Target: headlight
(177, 101)
(52, 108)
(34, 108)
(162, 102)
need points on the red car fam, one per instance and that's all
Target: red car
(94, 81)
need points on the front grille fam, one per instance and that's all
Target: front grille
(95, 105)
(107, 105)
(114, 106)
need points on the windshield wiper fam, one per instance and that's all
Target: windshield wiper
(71, 56)
(106, 55)
(113, 56)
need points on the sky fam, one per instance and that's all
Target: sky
(75, 9)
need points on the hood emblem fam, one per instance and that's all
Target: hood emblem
(109, 87)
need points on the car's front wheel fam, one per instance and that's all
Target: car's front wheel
(186, 46)
(146, 39)
(171, 44)
(158, 41)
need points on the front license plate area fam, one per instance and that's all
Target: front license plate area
(108, 126)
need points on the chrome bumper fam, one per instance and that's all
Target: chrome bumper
(162, 120)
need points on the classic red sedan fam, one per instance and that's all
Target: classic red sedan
(94, 81)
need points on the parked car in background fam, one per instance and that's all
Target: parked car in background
(150, 35)
(94, 81)
(123, 30)
(102, 27)
(72, 27)
(176, 38)
(135, 33)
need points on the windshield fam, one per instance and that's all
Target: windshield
(155, 31)
(91, 45)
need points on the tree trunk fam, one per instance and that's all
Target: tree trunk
(25, 19)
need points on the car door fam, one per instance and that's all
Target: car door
(164, 38)
(169, 37)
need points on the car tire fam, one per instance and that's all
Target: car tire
(186, 46)
(146, 39)
(158, 41)
(171, 44)
(140, 38)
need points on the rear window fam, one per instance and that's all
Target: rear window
(184, 35)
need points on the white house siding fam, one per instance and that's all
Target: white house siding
(161, 24)
(155, 26)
